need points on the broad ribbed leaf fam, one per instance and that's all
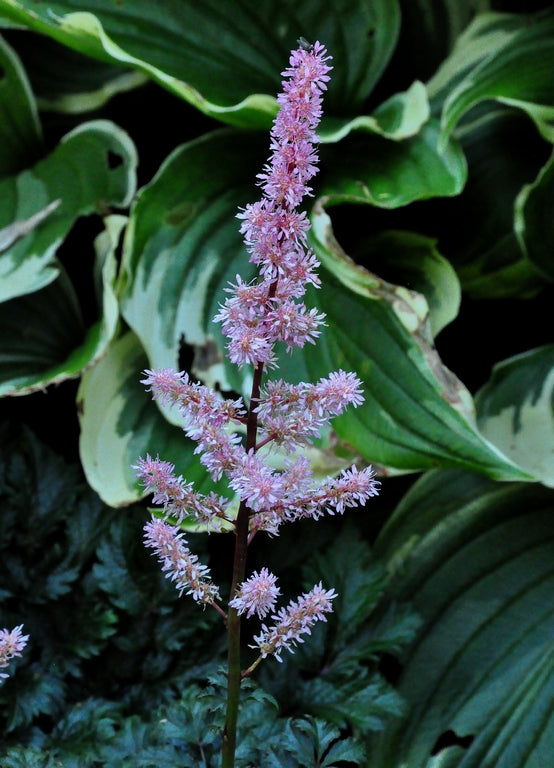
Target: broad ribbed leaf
(516, 411)
(476, 560)
(183, 247)
(224, 58)
(64, 80)
(487, 34)
(503, 152)
(534, 220)
(429, 30)
(417, 414)
(398, 118)
(518, 72)
(92, 167)
(119, 422)
(20, 131)
(43, 339)
(412, 259)
(366, 168)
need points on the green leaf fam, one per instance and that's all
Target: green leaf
(20, 132)
(503, 152)
(64, 80)
(183, 246)
(517, 72)
(482, 39)
(416, 413)
(29, 757)
(475, 559)
(224, 59)
(533, 220)
(43, 339)
(516, 411)
(429, 30)
(398, 118)
(319, 744)
(92, 167)
(119, 422)
(366, 168)
(411, 259)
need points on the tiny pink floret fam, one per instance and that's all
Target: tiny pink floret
(11, 644)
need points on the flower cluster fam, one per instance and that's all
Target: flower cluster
(180, 565)
(293, 621)
(256, 595)
(259, 314)
(234, 439)
(275, 497)
(11, 645)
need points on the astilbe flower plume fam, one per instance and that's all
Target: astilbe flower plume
(11, 645)
(255, 317)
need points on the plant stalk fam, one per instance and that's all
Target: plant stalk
(233, 619)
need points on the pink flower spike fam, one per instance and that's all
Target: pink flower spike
(11, 645)
(179, 564)
(257, 594)
(339, 390)
(292, 622)
(350, 489)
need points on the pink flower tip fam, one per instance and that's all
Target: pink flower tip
(258, 594)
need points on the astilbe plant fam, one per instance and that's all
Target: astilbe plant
(11, 645)
(255, 317)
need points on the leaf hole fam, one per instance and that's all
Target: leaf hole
(451, 739)
(114, 160)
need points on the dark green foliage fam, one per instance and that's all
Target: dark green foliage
(334, 674)
(119, 672)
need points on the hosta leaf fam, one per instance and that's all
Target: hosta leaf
(398, 118)
(225, 58)
(429, 30)
(366, 168)
(516, 411)
(92, 167)
(518, 72)
(64, 80)
(20, 131)
(476, 560)
(413, 259)
(503, 152)
(533, 220)
(119, 423)
(416, 412)
(183, 247)
(484, 37)
(42, 335)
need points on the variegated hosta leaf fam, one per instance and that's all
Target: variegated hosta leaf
(183, 246)
(516, 411)
(475, 559)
